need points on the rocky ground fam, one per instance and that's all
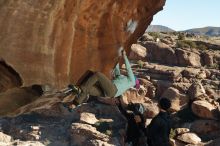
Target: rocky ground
(184, 68)
(180, 67)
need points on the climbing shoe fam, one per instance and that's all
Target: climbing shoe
(74, 89)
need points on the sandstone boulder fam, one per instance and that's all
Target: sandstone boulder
(88, 118)
(4, 138)
(191, 73)
(46, 106)
(190, 138)
(167, 40)
(142, 91)
(178, 100)
(211, 93)
(9, 77)
(182, 87)
(83, 134)
(106, 129)
(196, 90)
(52, 124)
(203, 109)
(23, 143)
(137, 52)
(208, 59)
(188, 58)
(133, 96)
(150, 88)
(15, 98)
(160, 53)
(145, 37)
(180, 131)
(163, 72)
(53, 130)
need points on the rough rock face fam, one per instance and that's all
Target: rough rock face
(178, 100)
(14, 98)
(203, 109)
(157, 51)
(57, 41)
(47, 121)
(55, 125)
(137, 52)
(188, 58)
(9, 78)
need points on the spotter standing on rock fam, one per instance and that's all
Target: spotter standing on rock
(99, 85)
(159, 129)
(136, 123)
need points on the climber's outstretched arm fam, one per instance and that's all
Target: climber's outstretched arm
(128, 68)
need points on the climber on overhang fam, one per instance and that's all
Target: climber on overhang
(99, 85)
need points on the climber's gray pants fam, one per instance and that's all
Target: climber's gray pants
(97, 85)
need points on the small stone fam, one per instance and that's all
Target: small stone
(180, 131)
(88, 118)
(190, 138)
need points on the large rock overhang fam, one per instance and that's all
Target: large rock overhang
(56, 41)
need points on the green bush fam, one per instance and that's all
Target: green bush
(181, 44)
(202, 47)
(155, 35)
(140, 63)
(175, 33)
(181, 36)
(191, 44)
(215, 66)
(172, 133)
(186, 44)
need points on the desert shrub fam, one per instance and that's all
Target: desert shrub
(190, 35)
(186, 44)
(172, 133)
(215, 66)
(182, 44)
(202, 47)
(174, 33)
(140, 63)
(155, 35)
(191, 44)
(181, 36)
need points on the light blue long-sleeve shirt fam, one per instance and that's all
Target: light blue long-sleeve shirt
(123, 82)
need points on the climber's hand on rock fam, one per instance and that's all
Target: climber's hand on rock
(123, 52)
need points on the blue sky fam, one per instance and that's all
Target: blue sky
(186, 14)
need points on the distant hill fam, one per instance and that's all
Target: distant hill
(209, 31)
(159, 28)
